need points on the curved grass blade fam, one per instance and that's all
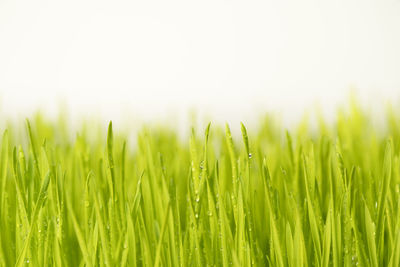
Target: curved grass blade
(39, 203)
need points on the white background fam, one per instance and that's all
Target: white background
(227, 59)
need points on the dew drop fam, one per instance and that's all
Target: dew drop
(250, 155)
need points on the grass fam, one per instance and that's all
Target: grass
(327, 197)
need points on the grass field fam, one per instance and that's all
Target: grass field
(324, 197)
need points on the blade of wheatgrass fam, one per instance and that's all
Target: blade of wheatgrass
(194, 162)
(122, 187)
(160, 241)
(87, 207)
(222, 230)
(240, 226)
(47, 245)
(395, 256)
(22, 165)
(359, 243)
(144, 241)
(370, 236)
(3, 168)
(59, 256)
(387, 173)
(20, 193)
(102, 230)
(53, 194)
(131, 241)
(290, 147)
(245, 138)
(326, 246)
(248, 181)
(24, 224)
(33, 147)
(336, 225)
(79, 235)
(94, 242)
(347, 223)
(113, 208)
(194, 242)
(125, 251)
(204, 164)
(110, 158)
(231, 151)
(312, 217)
(137, 197)
(276, 244)
(212, 218)
(3, 180)
(300, 258)
(39, 203)
(289, 245)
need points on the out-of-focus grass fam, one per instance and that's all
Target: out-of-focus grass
(278, 198)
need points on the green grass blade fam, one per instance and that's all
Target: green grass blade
(39, 203)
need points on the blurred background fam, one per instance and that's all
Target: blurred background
(224, 60)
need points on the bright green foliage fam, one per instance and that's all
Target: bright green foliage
(327, 197)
